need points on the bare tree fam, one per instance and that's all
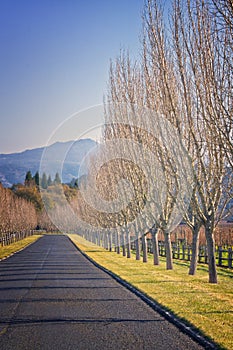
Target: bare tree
(162, 95)
(207, 97)
(16, 214)
(223, 9)
(188, 78)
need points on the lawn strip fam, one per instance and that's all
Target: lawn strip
(208, 307)
(8, 250)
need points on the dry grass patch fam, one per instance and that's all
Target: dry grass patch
(14, 247)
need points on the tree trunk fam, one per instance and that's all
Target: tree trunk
(144, 248)
(137, 245)
(98, 240)
(168, 246)
(211, 252)
(102, 240)
(155, 245)
(128, 244)
(118, 250)
(106, 241)
(195, 250)
(110, 241)
(123, 245)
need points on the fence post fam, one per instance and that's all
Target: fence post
(178, 252)
(149, 245)
(230, 258)
(174, 251)
(183, 251)
(220, 255)
(189, 253)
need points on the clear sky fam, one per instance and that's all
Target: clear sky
(54, 61)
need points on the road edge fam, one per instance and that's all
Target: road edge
(185, 328)
(17, 251)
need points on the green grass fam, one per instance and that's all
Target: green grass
(209, 307)
(14, 247)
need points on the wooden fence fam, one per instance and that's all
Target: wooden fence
(9, 238)
(224, 254)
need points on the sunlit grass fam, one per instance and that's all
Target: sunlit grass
(14, 247)
(209, 307)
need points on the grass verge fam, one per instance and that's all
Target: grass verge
(209, 307)
(14, 247)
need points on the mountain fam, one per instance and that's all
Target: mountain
(61, 157)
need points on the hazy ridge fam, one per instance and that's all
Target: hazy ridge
(14, 166)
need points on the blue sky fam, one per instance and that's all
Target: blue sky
(54, 61)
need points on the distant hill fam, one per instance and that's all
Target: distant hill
(13, 167)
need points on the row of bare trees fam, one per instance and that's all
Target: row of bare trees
(22, 209)
(16, 214)
(185, 75)
(167, 150)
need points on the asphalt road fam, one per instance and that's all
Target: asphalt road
(52, 297)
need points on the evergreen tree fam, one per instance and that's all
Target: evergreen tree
(37, 178)
(74, 183)
(57, 179)
(44, 181)
(50, 182)
(28, 179)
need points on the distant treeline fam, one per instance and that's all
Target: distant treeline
(43, 181)
(22, 208)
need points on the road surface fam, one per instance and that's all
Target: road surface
(52, 297)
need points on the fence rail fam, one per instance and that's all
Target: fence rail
(7, 238)
(224, 254)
